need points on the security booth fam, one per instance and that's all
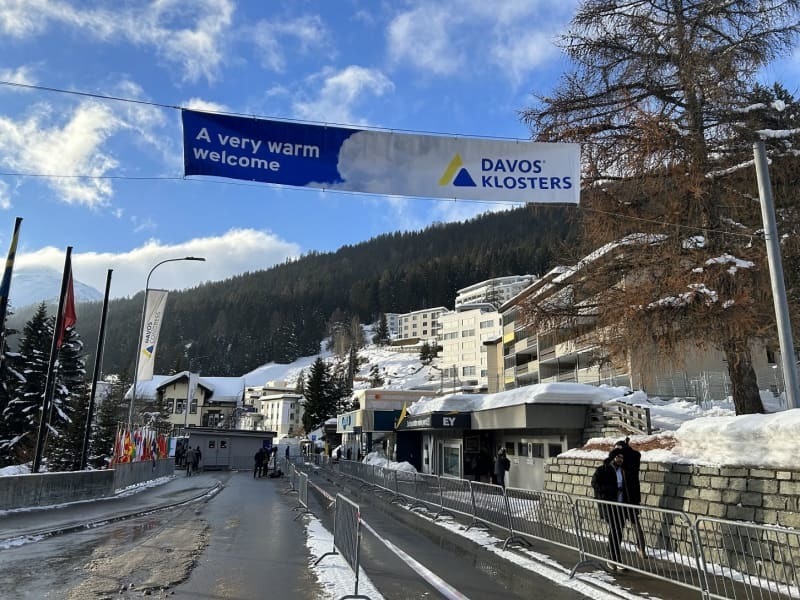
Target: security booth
(531, 433)
(228, 449)
(433, 442)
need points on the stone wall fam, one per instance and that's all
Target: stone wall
(754, 494)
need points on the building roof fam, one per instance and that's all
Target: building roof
(219, 389)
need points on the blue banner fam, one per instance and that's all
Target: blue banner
(379, 162)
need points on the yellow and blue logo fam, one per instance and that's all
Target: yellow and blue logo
(457, 174)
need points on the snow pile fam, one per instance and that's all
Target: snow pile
(379, 460)
(541, 393)
(768, 440)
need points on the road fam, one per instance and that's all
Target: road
(244, 543)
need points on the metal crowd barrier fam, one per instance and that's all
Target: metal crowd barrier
(718, 558)
(347, 537)
(302, 495)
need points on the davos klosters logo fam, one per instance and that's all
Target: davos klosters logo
(504, 173)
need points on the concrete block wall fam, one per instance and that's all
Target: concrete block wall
(754, 494)
(747, 495)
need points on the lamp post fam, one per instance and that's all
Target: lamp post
(141, 327)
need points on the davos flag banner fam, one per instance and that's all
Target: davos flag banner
(379, 162)
(154, 306)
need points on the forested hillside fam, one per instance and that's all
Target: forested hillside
(230, 327)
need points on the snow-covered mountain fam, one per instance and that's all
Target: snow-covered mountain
(31, 286)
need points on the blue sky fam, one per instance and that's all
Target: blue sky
(462, 67)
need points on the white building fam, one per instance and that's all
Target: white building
(273, 407)
(212, 401)
(463, 333)
(421, 324)
(393, 324)
(496, 291)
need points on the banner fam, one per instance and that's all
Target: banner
(379, 162)
(153, 314)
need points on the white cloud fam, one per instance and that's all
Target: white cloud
(19, 75)
(5, 196)
(199, 49)
(205, 105)
(340, 92)
(469, 36)
(422, 38)
(230, 254)
(305, 33)
(35, 145)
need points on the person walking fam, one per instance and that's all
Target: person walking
(189, 459)
(501, 466)
(258, 467)
(609, 482)
(632, 460)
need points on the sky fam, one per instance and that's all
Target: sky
(121, 201)
(106, 177)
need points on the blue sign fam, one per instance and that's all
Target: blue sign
(313, 438)
(379, 162)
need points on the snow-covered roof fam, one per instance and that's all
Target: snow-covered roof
(221, 389)
(540, 393)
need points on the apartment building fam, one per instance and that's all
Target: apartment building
(393, 325)
(496, 291)
(574, 353)
(273, 407)
(462, 335)
(420, 324)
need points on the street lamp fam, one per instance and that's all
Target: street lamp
(141, 327)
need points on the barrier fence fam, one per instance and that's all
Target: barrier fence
(347, 537)
(720, 559)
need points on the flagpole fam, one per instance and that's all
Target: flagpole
(5, 286)
(50, 381)
(98, 359)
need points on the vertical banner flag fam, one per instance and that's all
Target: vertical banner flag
(153, 314)
(68, 316)
(380, 162)
(5, 286)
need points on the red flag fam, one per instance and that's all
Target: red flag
(68, 317)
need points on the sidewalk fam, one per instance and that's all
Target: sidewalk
(53, 520)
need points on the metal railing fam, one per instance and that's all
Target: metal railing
(718, 558)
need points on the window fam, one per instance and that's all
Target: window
(522, 448)
(193, 407)
(451, 461)
(553, 450)
(170, 405)
(179, 404)
(510, 449)
(468, 333)
(484, 373)
(487, 324)
(468, 370)
(537, 450)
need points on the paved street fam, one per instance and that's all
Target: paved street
(226, 535)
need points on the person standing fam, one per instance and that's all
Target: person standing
(610, 484)
(632, 460)
(501, 466)
(197, 456)
(258, 467)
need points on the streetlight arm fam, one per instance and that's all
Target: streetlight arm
(141, 327)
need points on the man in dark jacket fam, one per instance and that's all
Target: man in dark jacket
(501, 467)
(632, 460)
(610, 484)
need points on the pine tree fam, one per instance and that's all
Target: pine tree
(11, 379)
(21, 415)
(320, 395)
(300, 386)
(64, 444)
(381, 337)
(111, 411)
(375, 378)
